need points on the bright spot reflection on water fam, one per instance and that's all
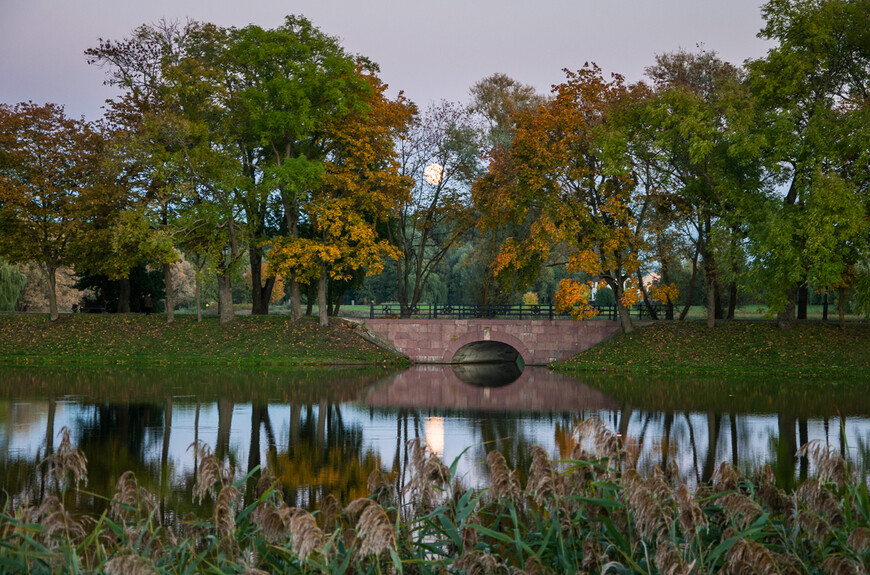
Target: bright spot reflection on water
(434, 430)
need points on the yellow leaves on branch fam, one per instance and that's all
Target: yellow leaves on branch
(586, 261)
(507, 257)
(664, 293)
(573, 296)
(630, 296)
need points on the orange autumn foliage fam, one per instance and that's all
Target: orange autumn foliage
(579, 202)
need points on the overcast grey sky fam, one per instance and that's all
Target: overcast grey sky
(432, 50)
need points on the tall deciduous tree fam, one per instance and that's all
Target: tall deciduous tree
(557, 178)
(816, 84)
(47, 161)
(708, 156)
(498, 100)
(438, 212)
(283, 87)
(359, 187)
(146, 133)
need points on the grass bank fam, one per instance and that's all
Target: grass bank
(737, 347)
(111, 338)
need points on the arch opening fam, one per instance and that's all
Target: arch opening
(486, 352)
(487, 374)
(488, 363)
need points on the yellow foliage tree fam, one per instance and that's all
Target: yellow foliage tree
(359, 187)
(580, 202)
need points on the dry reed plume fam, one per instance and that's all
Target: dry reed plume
(830, 464)
(503, 482)
(304, 532)
(429, 478)
(541, 484)
(130, 500)
(67, 462)
(372, 526)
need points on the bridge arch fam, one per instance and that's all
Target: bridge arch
(487, 335)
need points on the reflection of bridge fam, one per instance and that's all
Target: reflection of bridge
(436, 387)
(537, 341)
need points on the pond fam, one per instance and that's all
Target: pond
(325, 430)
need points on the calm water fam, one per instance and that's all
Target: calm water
(324, 430)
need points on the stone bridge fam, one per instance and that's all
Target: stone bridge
(536, 341)
(438, 387)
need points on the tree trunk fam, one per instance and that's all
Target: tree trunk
(841, 306)
(711, 303)
(692, 281)
(666, 280)
(225, 424)
(646, 301)
(666, 439)
(291, 216)
(803, 296)
(321, 297)
(786, 450)
(198, 280)
(295, 299)
(225, 298)
(124, 295)
(718, 291)
(51, 275)
(170, 293)
(714, 421)
(624, 316)
(785, 319)
(164, 457)
(732, 299)
(260, 294)
(311, 295)
(336, 300)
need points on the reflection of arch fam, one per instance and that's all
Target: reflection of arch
(480, 335)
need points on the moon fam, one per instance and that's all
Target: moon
(433, 174)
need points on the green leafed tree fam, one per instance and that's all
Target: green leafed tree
(815, 84)
(11, 283)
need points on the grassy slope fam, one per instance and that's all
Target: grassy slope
(738, 347)
(110, 338)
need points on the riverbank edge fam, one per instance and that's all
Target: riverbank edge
(736, 348)
(132, 339)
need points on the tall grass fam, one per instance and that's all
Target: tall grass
(593, 513)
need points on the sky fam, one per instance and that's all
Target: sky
(430, 50)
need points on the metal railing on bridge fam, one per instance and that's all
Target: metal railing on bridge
(520, 311)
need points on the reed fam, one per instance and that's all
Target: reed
(593, 514)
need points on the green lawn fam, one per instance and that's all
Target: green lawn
(760, 312)
(112, 338)
(737, 347)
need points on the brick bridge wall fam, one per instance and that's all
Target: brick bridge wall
(436, 387)
(538, 341)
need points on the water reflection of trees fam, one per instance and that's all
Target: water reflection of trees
(314, 450)
(323, 455)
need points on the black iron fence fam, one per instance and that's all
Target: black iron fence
(436, 311)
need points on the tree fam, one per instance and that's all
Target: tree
(437, 214)
(497, 100)
(282, 86)
(359, 187)
(47, 161)
(147, 130)
(706, 158)
(11, 283)
(814, 83)
(581, 210)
